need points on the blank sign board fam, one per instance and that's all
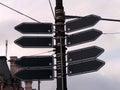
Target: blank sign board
(31, 74)
(85, 67)
(84, 54)
(35, 42)
(35, 28)
(83, 37)
(35, 61)
(81, 23)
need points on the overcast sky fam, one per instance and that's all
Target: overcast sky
(107, 78)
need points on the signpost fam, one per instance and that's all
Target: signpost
(35, 42)
(81, 23)
(85, 67)
(79, 61)
(84, 54)
(83, 37)
(35, 74)
(35, 61)
(35, 28)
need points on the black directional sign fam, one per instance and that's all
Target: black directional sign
(83, 37)
(35, 42)
(31, 74)
(85, 67)
(35, 28)
(84, 54)
(81, 23)
(35, 61)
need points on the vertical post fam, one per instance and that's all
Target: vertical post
(38, 84)
(6, 45)
(60, 46)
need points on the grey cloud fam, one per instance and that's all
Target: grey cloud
(93, 82)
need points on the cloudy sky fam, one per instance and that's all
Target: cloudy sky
(107, 78)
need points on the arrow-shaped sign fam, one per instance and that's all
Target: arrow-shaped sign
(35, 61)
(36, 74)
(35, 42)
(83, 37)
(81, 23)
(84, 54)
(35, 28)
(85, 67)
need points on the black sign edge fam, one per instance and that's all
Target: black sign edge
(34, 46)
(68, 31)
(103, 63)
(53, 76)
(37, 56)
(51, 32)
(70, 45)
(102, 50)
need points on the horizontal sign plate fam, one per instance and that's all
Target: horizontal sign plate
(84, 54)
(81, 23)
(35, 28)
(83, 37)
(35, 42)
(35, 61)
(31, 74)
(85, 67)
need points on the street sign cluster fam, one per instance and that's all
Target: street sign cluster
(83, 60)
(35, 67)
(35, 41)
(79, 61)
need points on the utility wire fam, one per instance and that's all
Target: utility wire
(20, 12)
(6, 45)
(115, 20)
(112, 33)
(51, 8)
(106, 19)
(67, 16)
(41, 53)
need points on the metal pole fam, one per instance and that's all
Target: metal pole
(6, 45)
(38, 84)
(60, 46)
